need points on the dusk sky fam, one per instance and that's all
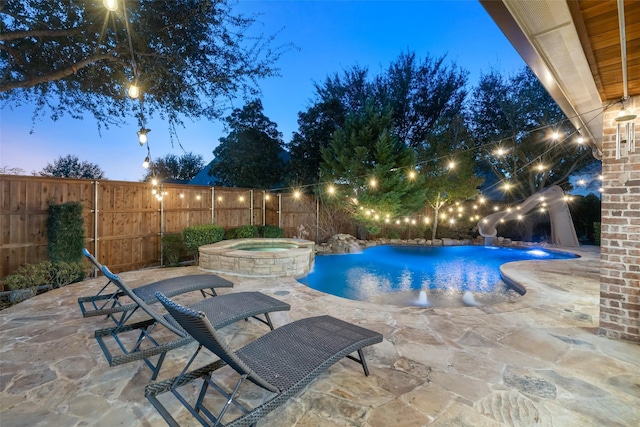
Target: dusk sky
(330, 35)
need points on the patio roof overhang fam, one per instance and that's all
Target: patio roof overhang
(574, 49)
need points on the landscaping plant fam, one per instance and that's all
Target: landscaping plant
(199, 235)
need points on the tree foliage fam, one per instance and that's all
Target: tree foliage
(71, 167)
(511, 121)
(9, 170)
(250, 155)
(335, 98)
(418, 94)
(370, 168)
(448, 165)
(188, 57)
(172, 167)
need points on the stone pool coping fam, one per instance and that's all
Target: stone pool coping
(228, 257)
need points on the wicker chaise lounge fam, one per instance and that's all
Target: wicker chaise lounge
(282, 361)
(110, 301)
(140, 340)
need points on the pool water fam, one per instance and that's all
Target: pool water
(422, 275)
(265, 249)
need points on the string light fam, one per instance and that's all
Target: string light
(142, 135)
(110, 5)
(134, 91)
(145, 164)
(451, 164)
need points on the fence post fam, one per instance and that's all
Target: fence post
(264, 207)
(280, 210)
(317, 218)
(95, 224)
(213, 198)
(251, 207)
(161, 225)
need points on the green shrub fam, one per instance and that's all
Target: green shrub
(64, 273)
(245, 231)
(29, 276)
(596, 232)
(271, 231)
(173, 249)
(65, 232)
(372, 229)
(393, 234)
(203, 234)
(52, 274)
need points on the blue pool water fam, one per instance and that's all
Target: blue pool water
(421, 275)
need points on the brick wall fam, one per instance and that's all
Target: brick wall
(620, 247)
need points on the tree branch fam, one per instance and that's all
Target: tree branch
(16, 35)
(56, 75)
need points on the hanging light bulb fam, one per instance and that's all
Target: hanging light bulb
(110, 5)
(145, 164)
(134, 91)
(142, 135)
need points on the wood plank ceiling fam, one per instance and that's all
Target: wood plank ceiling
(597, 25)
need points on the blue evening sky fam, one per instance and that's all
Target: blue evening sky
(331, 36)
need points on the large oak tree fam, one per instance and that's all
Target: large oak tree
(189, 57)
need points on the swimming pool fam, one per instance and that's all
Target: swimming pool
(422, 275)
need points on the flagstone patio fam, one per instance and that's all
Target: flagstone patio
(537, 361)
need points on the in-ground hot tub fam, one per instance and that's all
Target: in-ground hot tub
(258, 257)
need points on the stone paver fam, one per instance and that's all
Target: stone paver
(536, 360)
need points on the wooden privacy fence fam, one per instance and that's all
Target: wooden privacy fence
(124, 221)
